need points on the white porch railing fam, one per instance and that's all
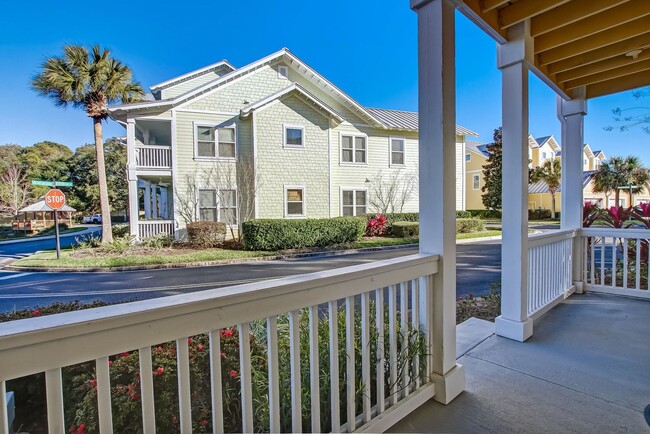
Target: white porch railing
(549, 270)
(370, 301)
(153, 157)
(151, 228)
(616, 261)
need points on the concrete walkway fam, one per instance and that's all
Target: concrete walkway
(586, 369)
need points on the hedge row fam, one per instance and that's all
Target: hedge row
(406, 229)
(464, 226)
(206, 234)
(484, 213)
(280, 234)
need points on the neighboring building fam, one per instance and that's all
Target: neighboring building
(476, 155)
(273, 139)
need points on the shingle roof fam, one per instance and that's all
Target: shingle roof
(541, 187)
(404, 120)
(41, 207)
(479, 148)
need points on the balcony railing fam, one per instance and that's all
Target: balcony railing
(549, 270)
(153, 157)
(369, 320)
(616, 261)
(152, 228)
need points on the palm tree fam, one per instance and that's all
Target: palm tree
(90, 81)
(604, 181)
(551, 173)
(621, 173)
(639, 180)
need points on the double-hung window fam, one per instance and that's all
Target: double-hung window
(208, 205)
(228, 206)
(476, 182)
(354, 202)
(353, 149)
(215, 142)
(294, 136)
(468, 157)
(397, 152)
(294, 201)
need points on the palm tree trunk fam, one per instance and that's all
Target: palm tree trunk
(107, 234)
(617, 197)
(553, 206)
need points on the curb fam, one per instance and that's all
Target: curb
(327, 253)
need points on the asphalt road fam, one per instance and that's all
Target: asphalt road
(478, 265)
(22, 248)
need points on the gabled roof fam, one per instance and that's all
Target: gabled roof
(405, 120)
(293, 88)
(540, 187)
(223, 64)
(477, 148)
(587, 149)
(40, 206)
(541, 141)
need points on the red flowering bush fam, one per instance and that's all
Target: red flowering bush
(377, 226)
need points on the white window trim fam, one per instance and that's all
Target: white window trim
(479, 181)
(285, 145)
(304, 202)
(218, 201)
(390, 151)
(354, 206)
(353, 135)
(284, 75)
(216, 141)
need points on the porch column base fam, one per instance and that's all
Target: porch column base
(450, 385)
(580, 286)
(515, 330)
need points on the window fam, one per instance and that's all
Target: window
(283, 71)
(476, 181)
(397, 152)
(208, 205)
(544, 155)
(228, 206)
(294, 201)
(468, 157)
(353, 202)
(294, 137)
(213, 142)
(353, 149)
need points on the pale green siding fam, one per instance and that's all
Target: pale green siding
(191, 84)
(279, 167)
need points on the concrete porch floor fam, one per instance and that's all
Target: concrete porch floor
(586, 369)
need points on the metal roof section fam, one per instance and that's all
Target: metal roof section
(405, 120)
(478, 148)
(223, 64)
(540, 187)
(297, 88)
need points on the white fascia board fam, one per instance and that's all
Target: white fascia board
(192, 74)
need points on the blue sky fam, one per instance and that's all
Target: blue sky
(369, 52)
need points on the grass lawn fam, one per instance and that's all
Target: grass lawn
(92, 258)
(7, 233)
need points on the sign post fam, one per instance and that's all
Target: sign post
(55, 199)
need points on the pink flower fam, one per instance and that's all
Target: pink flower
(81, 429)
(199, 347)
(135, 397)
(204, 423)
(125, 354)
(233, 373)
(159, 350)
(159, 371)
(226, 333)
(36, 312)
(93, 383)
(110, 363)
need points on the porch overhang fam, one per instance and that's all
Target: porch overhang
(601, 46)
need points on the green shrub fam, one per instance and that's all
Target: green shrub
(406, 229)
(120, 231)
(464, 226)
(159, 241)
(279, 234)
(539, 214)
(206, 234)
(485, 213)
(463, 214)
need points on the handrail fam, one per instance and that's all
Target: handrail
(536, 240)
(114, 329)
(615, 232)
(153, 147)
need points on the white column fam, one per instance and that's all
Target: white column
(571, 115)
(147, 200)
(513, 60)
(164, 204)
(437, 177)
(132, 177)
(154, 201)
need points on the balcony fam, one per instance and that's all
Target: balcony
(153, 157)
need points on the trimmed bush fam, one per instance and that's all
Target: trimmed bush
(206, 234)
(120, 231)
(539, 214)
(463, 215)
(485, 213)
(280, 234)
(464, 226)
(406, 229)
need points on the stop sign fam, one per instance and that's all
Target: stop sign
(55, 199)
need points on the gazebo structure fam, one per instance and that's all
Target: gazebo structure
(38, 216)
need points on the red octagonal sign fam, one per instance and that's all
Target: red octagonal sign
(55, 199)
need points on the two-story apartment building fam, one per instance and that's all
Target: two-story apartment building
(272, 139)
(539, 150)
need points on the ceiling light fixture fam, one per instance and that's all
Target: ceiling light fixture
(633, 54)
